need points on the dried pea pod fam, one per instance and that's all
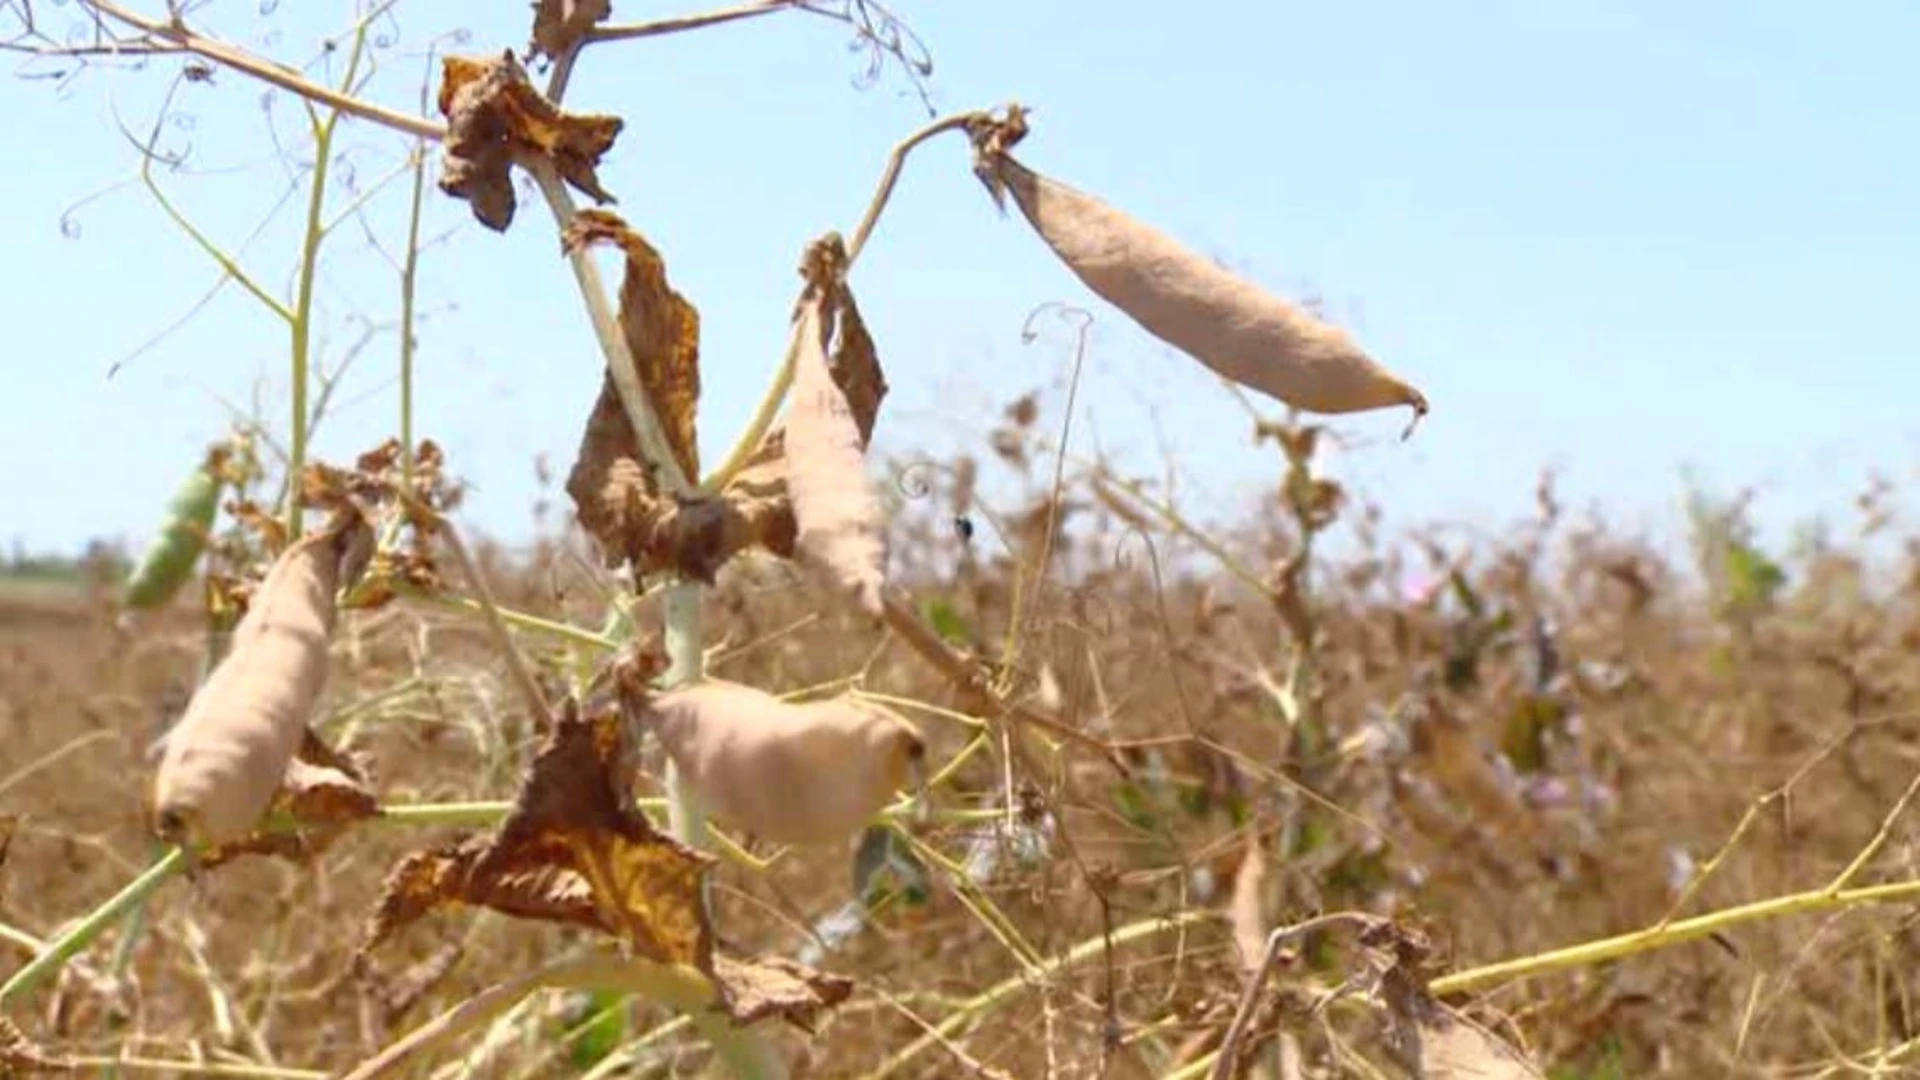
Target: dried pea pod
(810, 773)
(841, 527)
(222, 762)
(169, 558)
(1226, 322)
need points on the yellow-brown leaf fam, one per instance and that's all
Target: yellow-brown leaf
(559, 24)
(494, 115)
(661, 327)
(574, 850)
(634, 522)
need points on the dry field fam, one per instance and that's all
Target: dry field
(1541, 747)
(1479, 799)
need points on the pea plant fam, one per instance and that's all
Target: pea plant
(243, 771)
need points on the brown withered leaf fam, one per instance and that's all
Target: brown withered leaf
(574, 850)
(322, 789)
(391, 572)
(633, 521)
(21, 1056)
(619, 504)
(661, 328)
(494, 116)
(776, 986)
(271, 528)
(855, 362)
(559, 24)
(428, 880)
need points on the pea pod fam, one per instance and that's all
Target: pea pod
(170, 557)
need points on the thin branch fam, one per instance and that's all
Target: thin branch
(629, 31)
(768, 410)
(179, 37)
(1223, 1064)
(964, 673)
(613, 343)
(895, 162)
(516, 664)
(1879, 839)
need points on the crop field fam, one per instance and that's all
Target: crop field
(766, 766)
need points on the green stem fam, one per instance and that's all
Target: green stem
(686, 663)
(1001, 992)
(303, 300)
(764, 415)
(406, 314)
(621, 368)
(744, 1050)
(1679, 932)
(520, 620)
(71, 943)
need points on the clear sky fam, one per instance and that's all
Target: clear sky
(1617, 237)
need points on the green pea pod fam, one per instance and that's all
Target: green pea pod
(169, 559)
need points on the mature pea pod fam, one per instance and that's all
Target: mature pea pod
(170, 558)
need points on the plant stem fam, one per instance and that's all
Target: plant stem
(686, 662)
(244, 1070)
(71, 943)
(518, 619)
(406, 314)
(1678, 932)
(303, 300)
(656, 455)
(764, 415)
(745, 1051)
(776, 393)
(998, 995)
(629, 31)
(267, 71)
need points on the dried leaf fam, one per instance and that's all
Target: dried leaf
(19, 1055)
(789, 773)
(574, 850)
(494, 116)
(271, 528)
(856, 362)
(1224, 321)
(777, 986)
(662, 331)
(322, 790)
(840, 524)
(620, 504)
(559, 24)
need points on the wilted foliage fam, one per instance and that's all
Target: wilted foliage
(1190, 799)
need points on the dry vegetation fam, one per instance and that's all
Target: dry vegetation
(1426, 808)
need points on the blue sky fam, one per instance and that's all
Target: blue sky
(1617, 238)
